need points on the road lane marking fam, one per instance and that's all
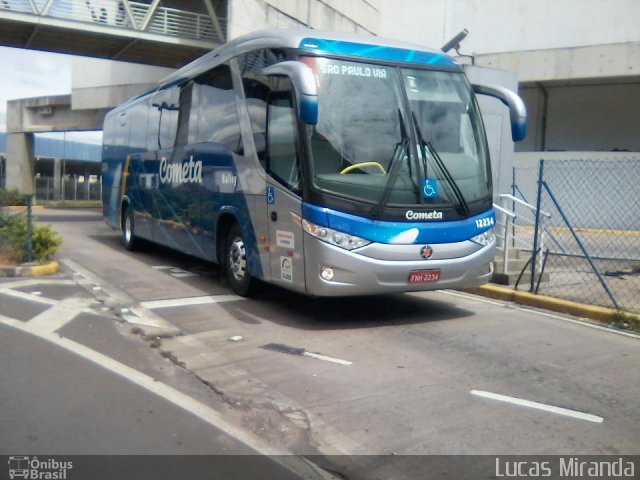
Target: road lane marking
(327, 359)
(538, 406)
(580, 322)
(170, 394)
(189, 301)
(29, 297)
(468, 297)
(478, 298)
(54, 318)
(300, 467)
(34, 282)
(281, 348)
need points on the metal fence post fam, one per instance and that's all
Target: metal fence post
(506, 241)
(30, 228)
(537, 226)
(513, 206)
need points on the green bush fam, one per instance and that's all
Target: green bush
(11, 197)
(14, 240)
(46, 242)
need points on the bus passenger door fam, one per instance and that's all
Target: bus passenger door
(283, 193)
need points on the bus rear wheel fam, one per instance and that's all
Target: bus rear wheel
(128, 230)
(236, 266)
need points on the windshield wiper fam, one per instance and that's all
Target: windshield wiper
(424, 145)
(398, 152)
(394, 170)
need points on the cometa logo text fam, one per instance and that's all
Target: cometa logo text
(185, 172)
(433, 215)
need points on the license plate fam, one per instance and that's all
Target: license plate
(424, 276)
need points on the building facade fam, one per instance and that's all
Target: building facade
(578, 61)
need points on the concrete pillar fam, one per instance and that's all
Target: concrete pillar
(87, 185)
(20, 163)
(3, 172)
(57, 179)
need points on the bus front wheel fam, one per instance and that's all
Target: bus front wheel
(237, 269)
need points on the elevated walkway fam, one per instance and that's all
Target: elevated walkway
(141, 32)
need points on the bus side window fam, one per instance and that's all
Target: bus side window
(182, 137)
(215, 115)
(256, 90)
(282, 157)
(256, 93)
(163, 119)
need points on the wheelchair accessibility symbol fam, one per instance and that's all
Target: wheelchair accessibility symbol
(271, 195)
(430, 188)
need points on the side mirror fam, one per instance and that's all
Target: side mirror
(517, 110)
(304, 84)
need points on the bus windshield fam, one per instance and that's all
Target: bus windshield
(367, 114)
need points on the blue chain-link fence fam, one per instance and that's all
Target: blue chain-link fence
(587, 239)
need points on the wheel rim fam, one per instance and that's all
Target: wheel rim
(127, 229)
(237, 259)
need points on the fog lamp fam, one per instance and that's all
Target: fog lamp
(327, 273)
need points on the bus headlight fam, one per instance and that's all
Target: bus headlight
(334, 237)
(485, 238)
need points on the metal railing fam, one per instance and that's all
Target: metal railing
(511, 226)
(126, 14)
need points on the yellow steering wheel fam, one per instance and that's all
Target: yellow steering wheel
(356, 166)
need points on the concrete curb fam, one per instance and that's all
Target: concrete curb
(21, 208)
(30, 270)
(593, 312)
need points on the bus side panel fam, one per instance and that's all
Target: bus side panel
(182, 193)
(138, 190)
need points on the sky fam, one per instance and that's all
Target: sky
(30, 73)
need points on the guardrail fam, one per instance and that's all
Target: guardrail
(125, 14)
(508, 222)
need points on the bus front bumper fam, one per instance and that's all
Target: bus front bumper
(356, 274)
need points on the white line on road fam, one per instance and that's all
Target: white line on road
(470, 297)
(55, 317)
(35, 281)
(538, 406)
(327, 359)
(170, 394)
(188, 301)
(299, 467)
(30, 297)
(583, 323)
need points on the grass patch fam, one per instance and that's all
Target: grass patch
(625, 321)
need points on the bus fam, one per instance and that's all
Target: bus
(330, 164)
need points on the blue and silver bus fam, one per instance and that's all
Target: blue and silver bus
(330, 164)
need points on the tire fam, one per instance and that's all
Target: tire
(129, 238)
(236, 266)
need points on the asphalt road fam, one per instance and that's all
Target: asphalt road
(426, 374)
